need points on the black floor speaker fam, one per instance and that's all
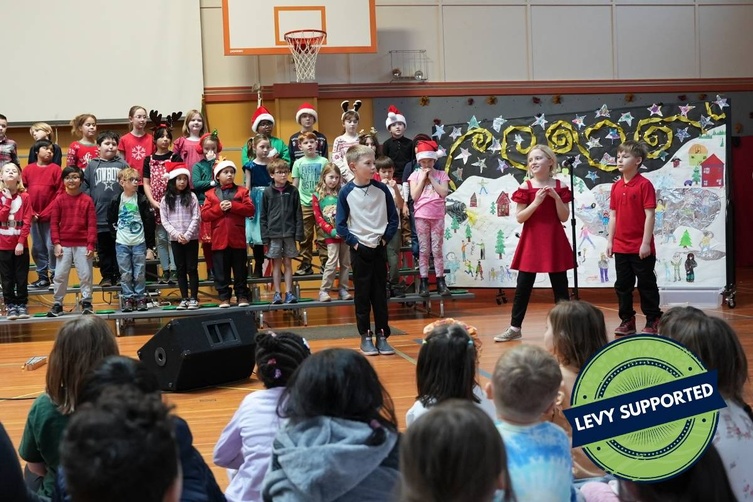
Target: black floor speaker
(201, 351)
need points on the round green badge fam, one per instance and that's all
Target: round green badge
(626, 403)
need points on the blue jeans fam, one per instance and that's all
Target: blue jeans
(41, 248)
(164, 250)
(132, 264)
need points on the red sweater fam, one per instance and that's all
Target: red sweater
(73, 221)
(15, 221)
(43, 184)
(228, 227)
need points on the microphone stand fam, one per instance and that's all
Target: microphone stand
(569, 163)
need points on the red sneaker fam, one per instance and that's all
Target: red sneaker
(627, 327)
(652, 327)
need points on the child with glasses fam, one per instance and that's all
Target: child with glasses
(132, 228)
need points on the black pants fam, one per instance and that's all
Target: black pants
(14, 274)
(370, 282)
(227, 261)
(630, 267)
(523, 293)
(186, 266)
(258, 260)
(108, 265)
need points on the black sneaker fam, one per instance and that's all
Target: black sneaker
(56, 310)
(304, 269)
(86, 308)
(106, 282)
(128, 305)
(367, 345)
(141, 305)
(382, 346)
(40, 283)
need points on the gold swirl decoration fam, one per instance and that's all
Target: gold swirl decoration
(480, 140)
(715, 116)
(562, 137)
(587, 134)
(528, 130)
(654, 126)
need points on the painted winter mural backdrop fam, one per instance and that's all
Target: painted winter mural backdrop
(688, 151)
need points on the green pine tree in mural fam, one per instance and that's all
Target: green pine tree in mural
(447, 234)
(455, 225)
(696, 175)
(685, 240)
(493, 209)
(468, 233)
(581, 185)
(499, 247)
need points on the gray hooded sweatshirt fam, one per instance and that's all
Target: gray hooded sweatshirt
(326, 459)
(101, 184)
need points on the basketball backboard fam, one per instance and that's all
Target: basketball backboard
(258, 27)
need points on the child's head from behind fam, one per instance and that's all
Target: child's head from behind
(453, 453)
(338, 383)
(525, 383)
(40, 130)
(194, 125)
(278, 355)
(329, 180)
(108, 144)
(541, 158)
(446, 366)
(360, 160)
(84, 126)
(79, 346)
(631, 155)
(715, 343)
(575, 331)
(385, 167)
(116, 370)
(278, 169)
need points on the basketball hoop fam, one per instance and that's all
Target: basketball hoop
(304, 45)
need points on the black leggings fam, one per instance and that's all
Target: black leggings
(186, 265)
(523, 293)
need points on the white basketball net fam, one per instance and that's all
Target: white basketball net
(304, 45)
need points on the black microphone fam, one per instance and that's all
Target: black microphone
(569, 162)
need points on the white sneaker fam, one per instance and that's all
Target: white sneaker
(509, 334)
(344, 295)
(193, 304)
(183, 305)
(324, 296)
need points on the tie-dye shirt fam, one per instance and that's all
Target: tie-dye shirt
(539, 462)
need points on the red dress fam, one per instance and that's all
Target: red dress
(543, 245)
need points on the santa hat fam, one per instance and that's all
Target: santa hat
(219, 166)
(305, 108)
(345, 105)
(426, 150)
(394, 116)
(175, 169)
(200, 144)
(260, 114)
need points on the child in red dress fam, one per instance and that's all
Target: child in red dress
(541, 208)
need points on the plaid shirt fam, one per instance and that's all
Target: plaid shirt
(8, 152)
(181, 220)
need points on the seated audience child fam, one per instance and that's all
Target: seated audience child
(122, 449)
(453, 454)
(79, 346)
(717, 346)
(12, 484)
(198, 483)
(575, 331)
(334, 405)
(246, 441)
(524, 386)
(447, 369)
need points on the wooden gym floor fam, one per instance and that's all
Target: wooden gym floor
(207, 411)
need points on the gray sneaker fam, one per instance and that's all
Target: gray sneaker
(23, 312)
(508, 335)
(367, 345)
(382, 346)
(183, 305)
(193, 304)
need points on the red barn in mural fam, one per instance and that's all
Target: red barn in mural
(474, 201)
(712, 172)
(503, 205)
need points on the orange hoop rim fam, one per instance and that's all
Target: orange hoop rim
(304, 36)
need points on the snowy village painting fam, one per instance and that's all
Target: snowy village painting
(486, 159)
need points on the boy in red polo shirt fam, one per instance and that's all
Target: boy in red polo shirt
(631, 240)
